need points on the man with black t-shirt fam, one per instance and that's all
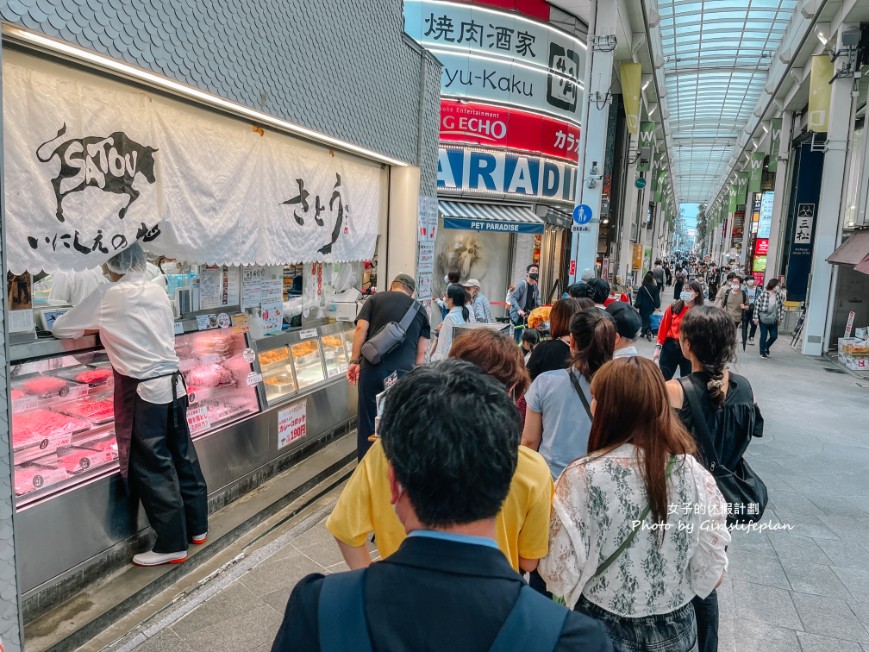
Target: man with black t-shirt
(377, 312)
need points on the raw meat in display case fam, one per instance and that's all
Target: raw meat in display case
(208, 375)
(97, 409)
(32, 477)
(94, 376)
(45, 386)
(46, 428)
(75, 459)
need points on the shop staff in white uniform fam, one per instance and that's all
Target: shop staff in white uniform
(134, 320)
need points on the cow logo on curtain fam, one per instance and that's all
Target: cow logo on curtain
(109, 163)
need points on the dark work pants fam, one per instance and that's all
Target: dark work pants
(706, 614)
(646, 319)
(165, 474)
(370, 385)
(672, 359)
(749, 328)
(768, 336)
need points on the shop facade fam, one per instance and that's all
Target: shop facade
(511, 95)
(250, 182)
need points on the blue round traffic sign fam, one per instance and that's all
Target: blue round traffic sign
(582, 214)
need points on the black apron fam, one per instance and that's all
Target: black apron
(124, 398)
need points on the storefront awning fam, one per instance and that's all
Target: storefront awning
(854, 251)
(493, 218)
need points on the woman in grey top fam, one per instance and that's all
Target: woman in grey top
(558, 419)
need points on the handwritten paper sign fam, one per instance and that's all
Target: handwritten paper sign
(292, 424)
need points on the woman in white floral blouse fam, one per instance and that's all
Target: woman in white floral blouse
(638, 526)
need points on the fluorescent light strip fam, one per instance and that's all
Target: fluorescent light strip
(536, 23)
(161, 82)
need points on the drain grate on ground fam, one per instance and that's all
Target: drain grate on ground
(833, 371)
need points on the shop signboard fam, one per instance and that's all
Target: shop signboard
(106, 164)
(292, 423)
(504, 57)
(766, 204)
(775, 144)
(489, 226)
(761, 247)
(474, 123)
(738, 225)
(756, 171)
(478, 173)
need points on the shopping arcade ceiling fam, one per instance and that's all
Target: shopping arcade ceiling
(717, 55)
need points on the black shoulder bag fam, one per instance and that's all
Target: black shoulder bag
(390, 336)
(578, 388)
(743, 490)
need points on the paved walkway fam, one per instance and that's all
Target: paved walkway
(805, 588)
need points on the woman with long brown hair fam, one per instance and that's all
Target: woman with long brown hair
(554, 353)
(638, 526)
(558, 419)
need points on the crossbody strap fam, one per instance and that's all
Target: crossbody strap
(575, 382)
(341, 613)
(633, 535)
(701, 428)
(533, 625)
(409, 316)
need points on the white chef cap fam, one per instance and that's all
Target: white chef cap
(131, 259)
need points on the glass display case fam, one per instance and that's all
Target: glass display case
(277, 372)
(334, 354)
(216, 365)
(63, 412)
(308, 361)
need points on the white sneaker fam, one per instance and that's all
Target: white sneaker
(152, 558)
(199, 539)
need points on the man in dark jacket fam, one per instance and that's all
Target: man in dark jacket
(524, 298)
(379, 310)
(449, 433)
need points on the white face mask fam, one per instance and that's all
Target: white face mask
(686, 296)
(735, 286)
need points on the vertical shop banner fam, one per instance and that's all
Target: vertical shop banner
(93, 165)
(756, 171)
(741, 188)
(775, 144)
(765, 225)
(631, 78)
(738, 225)
(731, 195)
(820, 92)
(647, 139)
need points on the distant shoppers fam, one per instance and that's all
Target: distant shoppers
(530, 340)
(559, 402)
(554, 353)
(668, 272)
(769, 312)
(733, 299)
(379, 310)
(452, 276)
(640, 476)
(628, 324)
(679, 277)
(364, 505)
(457, 314)
(480, 306)
(449, 435)
(753, 290)
(668, 351)
(600, 291)
(648, 301)
(659, 275)
(731, 416)
(524, 298)
(713, 281)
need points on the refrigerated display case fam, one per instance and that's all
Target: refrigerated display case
(334, 354)
(65, 455)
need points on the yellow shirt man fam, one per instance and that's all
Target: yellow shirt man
(522, 528)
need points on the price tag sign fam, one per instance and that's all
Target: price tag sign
(206, 322)
(197, 419)
(77, 391)
(253, 378)
(223, 320)
(292, 424)
(179, 328)
(27, 403)
(308, 333)
(248, 355)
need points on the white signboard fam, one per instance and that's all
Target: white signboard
(92, 165)
(805, 224)
(292, 424)
(514, 84)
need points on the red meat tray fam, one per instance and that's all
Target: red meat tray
(76, 460)
(45, 386)
(46, 428)
(32, 478)
(98, 411)
(94, 376)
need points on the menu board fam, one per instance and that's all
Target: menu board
(251, 287)
(210, 288)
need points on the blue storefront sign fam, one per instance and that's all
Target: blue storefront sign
(492, 226)
(474, 172)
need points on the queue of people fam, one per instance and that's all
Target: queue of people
(597, 447)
